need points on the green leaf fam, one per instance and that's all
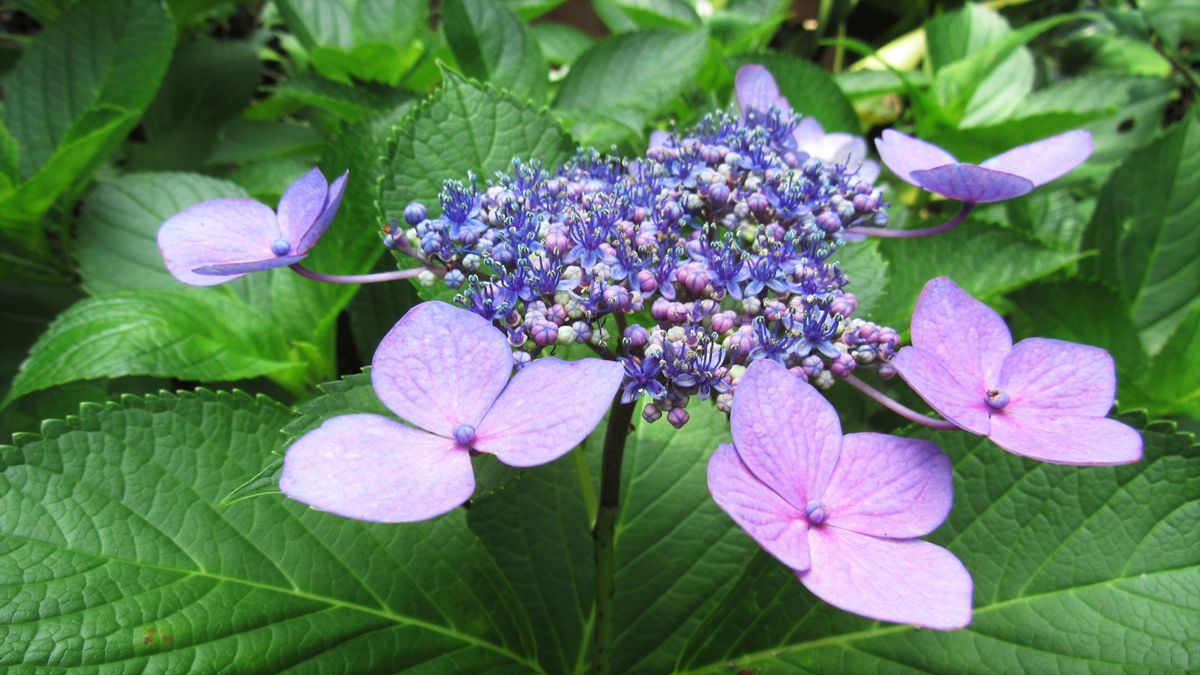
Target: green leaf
(1145, 230)
(1173, 381)
(1051, 217)
(810, 90)
(659, 13)
(464, 126)
(161, 333)
(529, 10)
(75, 94)
(957, 84)
(986, 260)
(675, 550)
(492, 45)
(539, 534)
(561, 43)
(245, 141)
(866, 269)
(956, 35)
(208, 84)
(351, 103)
(626, 79)
(747, 26)
(368, 40)
(1076, 569)
(114, 514)
(83, 62)
(118, 229)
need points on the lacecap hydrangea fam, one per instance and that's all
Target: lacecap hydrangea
(716, 248)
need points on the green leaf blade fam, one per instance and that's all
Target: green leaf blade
(174, 582)
(494, 46)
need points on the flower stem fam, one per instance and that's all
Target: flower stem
(954, 222)
(897, 407)
(358, 278)
(619, 418)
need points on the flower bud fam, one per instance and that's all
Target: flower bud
(415, 213)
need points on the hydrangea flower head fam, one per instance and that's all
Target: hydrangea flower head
(1041, 398)
(219, 240)
(446, 371)
(843, 511)
(1011, 174)
(757, 93)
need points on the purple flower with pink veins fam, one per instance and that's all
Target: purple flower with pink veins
(1040, 398)
(446, 372)
(844, 512)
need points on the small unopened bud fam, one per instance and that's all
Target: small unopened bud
(678, 417)
(637, 336)
(415, 213)
(426, 278)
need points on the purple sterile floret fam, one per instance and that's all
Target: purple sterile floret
(446, 372)
(844, 512)
(757, 93)
(1041, 398)
(1004, 176)
(215, 241)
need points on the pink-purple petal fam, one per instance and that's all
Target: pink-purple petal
(1043, 161)
(1084, 441)
(808, 133)
(372, 468)
(218, 232)
(888, 486)
(548, 407)
(969, 337)
(300, 207)
(778, 526)
(787, 434)
(902, 581)
(332, 202)
(971, 183)
(441, 366)
(904, 154)
(1058, 377)
(756, 90)
(962, 404)
(230, 269)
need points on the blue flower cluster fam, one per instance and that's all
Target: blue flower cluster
(711, 251)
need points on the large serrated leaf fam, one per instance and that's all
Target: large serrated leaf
(626, 79)
(189, 334)
(116, 557)
(464, 127)
(1076, 569)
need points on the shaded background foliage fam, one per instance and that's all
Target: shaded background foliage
(117, 114)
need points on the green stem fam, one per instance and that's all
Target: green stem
(619, 418)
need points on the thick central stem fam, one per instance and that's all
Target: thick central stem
(619, 418)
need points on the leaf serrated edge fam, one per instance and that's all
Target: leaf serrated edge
(449, 76)
(56, 427)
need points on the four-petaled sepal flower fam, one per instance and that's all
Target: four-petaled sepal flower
(219, 240)
(1041, 398)
(844, 512)
(1004, 176)
(446, 371)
